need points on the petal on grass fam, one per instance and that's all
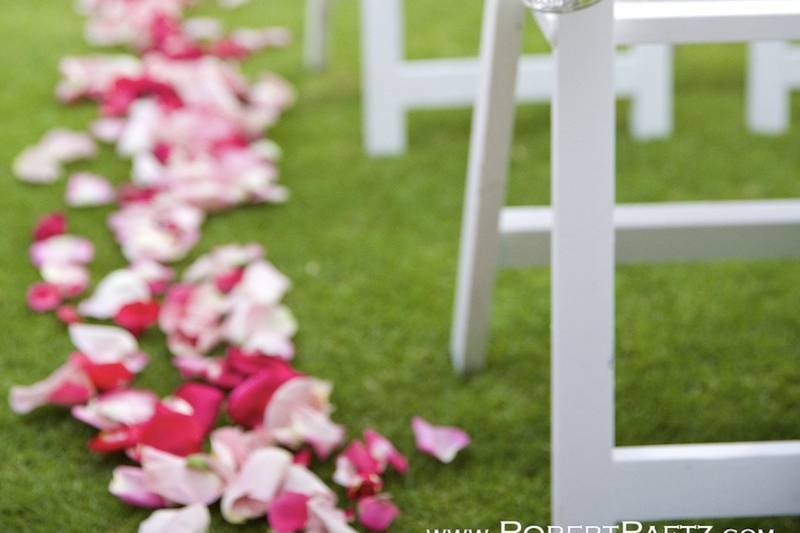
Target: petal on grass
(377, 513)
(62, 249)
(384, 451)
(128, 484)
(442, 442)
(256, 485)
(67, 385)
(205, 401)
(288, 512)
(114, 291)
(87, 190)
(179, 479)
(192, 519)
(43, 297)
(103, 344)
(49, 226)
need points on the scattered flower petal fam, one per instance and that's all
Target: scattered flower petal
(442, 442)
(43, 297)
(62, 249)
(191, 519)
(184, 481)
(137, 316)
(50, 226)
(128, 484)
(117, 289)
(85, 190)
(288, 512)
(377, 513)
(256, 485)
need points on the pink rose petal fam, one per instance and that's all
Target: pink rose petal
(384, 451)
(180, 480)
(85, 190)
(62, 249)
(441, 442)
(68, 314)
(288, 512)
(126, 407)
(192, 519)
(70, 279)
(247, 402)
(103, 344)
(50, 226)
(299, 413)
(114, 291)
(256, 484)
(128, 484)
(43, 297)
(66, 145)
(205, 401)
(377, 513)
(68, 385)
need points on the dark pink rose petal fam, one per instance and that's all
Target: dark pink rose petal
(248, 400)
(70, 393)
(226, 281)
(303, 457)
(105, 376)
(50, 226)
(43, 297)
(173, 432)
(229, 49)
(137, 316)
(288, 512)
(360, 458)
(249, 363)
(68, 314)
(205, 400)
(384, 451)
(116, 440)
(377, 513)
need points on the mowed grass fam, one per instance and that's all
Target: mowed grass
(706, 352)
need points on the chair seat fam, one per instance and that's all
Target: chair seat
(696, 21)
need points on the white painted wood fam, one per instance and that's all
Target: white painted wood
(392, 86)
(707, 480)
(773, 71)
(442, 83)
(668, 232)
(583, 269)
(548, 24)
(705, 21)
(317, 34)
(652, 115)
(382, 44)
(594, 482)
(492, 125)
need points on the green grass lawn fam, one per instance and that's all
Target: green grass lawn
(705, 352)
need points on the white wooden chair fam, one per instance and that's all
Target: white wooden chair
(583, 234)
(316, 34)
(392, 85)
(774, 71)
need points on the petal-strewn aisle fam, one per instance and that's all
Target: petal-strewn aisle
(193, 127)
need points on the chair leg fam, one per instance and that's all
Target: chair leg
(583, 269)
(767, 91)
(652, 105)
(492, 126)
(382, 44)
(317, 34)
